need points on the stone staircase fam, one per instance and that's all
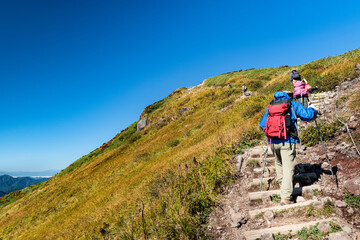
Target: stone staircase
(266, 206)
(324, 102)
(248, 213)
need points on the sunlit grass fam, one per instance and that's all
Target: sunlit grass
(108, 184)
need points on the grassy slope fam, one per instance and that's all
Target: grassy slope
(107, 184)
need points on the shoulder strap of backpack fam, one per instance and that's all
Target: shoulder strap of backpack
(273, 102)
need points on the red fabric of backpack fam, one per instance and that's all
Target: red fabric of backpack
(276, 126)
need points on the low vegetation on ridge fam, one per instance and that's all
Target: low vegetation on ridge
(161, 182)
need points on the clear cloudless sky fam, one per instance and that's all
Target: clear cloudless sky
(74, 73)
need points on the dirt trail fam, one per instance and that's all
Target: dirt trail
(238, 217)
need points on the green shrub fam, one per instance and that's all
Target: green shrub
(161, 183)
(142, 157)
(352, 201)
(310, 136)
(315, 192)
(189, 132)
(312, 233)
(233, 149)
(151, 108)
(275, 198)
(173, 143)
(134, 137)
(255, 85)
(279, 236)
(225, 103)
(250, 138)
(326, 210)
(334, 227)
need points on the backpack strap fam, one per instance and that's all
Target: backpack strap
(273, 102)
(295, 123)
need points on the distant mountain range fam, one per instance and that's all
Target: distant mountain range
(9, 184)
(47, 173)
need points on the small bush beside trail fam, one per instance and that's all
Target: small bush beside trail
(310, 136)
(352, 200)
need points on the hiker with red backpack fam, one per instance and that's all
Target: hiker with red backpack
(279, 125)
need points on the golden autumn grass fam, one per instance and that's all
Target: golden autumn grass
(139, 185)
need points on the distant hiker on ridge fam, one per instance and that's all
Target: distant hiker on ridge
(244, 89)
(279, 125)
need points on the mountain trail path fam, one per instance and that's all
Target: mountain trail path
(245, 212)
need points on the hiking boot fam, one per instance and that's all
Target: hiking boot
(285, 202)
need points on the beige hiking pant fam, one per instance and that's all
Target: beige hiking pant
(285, 160)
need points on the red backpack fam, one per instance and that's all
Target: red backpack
(278, 120)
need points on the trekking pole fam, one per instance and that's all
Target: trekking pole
(347, 129)
(262, 174)
(327, 158)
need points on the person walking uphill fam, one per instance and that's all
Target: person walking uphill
(300, 94)
(278, 123)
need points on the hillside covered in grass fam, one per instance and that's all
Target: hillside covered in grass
(162, 181)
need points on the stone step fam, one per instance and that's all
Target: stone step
(274, 209)
(322, 94)
(261, 160)
(303, 178)
(322, 106)
(256, 181)
(317, 99)
(256, 234)
(296, 191)
(271, 169)
(257, 152)
(261, 154)
(318, 103)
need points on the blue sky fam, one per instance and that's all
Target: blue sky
(75, 73)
